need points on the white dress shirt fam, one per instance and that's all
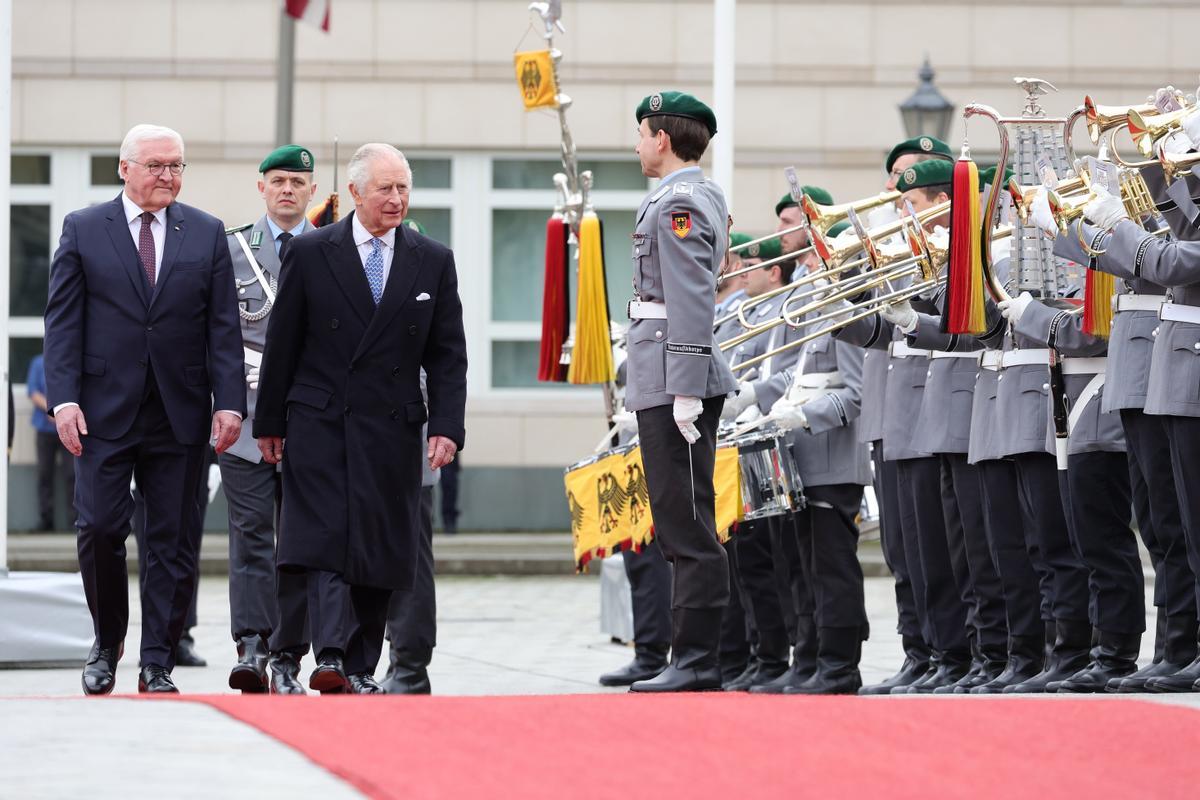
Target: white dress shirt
(362, 240)
(158, 229)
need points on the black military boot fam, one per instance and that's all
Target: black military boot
(804, 660)
(1182, 680)
(949, 667)
(408, 672)
(1071, 653)
(1178, 649)
(648, 661)
(915, 667)
(285, 674)
(694, 664)
(1026, 658)
(249, 674)
(838, 652)
(990, 664)
(1115, 657)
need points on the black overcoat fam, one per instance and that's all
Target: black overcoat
(341, 382)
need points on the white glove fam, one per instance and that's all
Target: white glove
(625, 421)
(900, 314)
(1040, 214)
(686, 411)
(745, 397)
(1104, 210)
(1191, 126)
(214, 481)
(789, 414)
(252, 379)
(1166, 99)
(819, 283)
(1177, 143)
(1013, 309)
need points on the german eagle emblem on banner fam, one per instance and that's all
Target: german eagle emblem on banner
(535, 76)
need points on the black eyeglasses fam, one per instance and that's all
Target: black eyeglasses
(157, 169)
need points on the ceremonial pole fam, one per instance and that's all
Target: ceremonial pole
(724, 68)
(286, 77)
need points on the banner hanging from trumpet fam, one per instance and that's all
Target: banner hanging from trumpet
(536, 79)
(609, 503)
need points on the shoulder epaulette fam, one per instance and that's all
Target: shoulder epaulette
(231, 231)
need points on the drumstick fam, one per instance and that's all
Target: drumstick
(751, 425)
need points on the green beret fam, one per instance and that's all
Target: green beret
(414, 225)
(988, 175)
(815, 193)
(835, 230)
(737, 239)
(919, 145)
(767, 250)
(926, 173)
(291, 157)
(677, 104)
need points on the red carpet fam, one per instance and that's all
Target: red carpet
(718, 746)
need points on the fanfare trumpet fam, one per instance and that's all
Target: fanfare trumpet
(1173, 165)
(1148, 128)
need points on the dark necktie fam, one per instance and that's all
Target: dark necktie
(146, 247)
(284, 239)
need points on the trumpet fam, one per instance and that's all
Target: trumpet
(1102, 119)
(1147, 129)
(1173, 165)
(1135, 195)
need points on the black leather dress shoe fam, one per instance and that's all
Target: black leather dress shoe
(330, 676)
(648, 661)
(249, 674)
(186, 655)
(402, 680)
(100, 671)
(365, 683)
(285, 672)
(156, 680)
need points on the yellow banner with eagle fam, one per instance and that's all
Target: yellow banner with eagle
(609, 503)
(535, 77)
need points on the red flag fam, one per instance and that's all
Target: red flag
(314, 12)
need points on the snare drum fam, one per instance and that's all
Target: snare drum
(770, 480)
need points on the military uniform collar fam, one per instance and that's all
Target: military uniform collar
(276, 230)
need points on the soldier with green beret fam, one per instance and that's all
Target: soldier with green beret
(268, 611)
(677, 377)
(791, 216)
(926, 184)
(913, 151)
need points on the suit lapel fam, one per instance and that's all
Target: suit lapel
(342, 257)
(406, 264)
(174, 233)
(118, 231)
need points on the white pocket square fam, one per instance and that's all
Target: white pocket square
(422, 296)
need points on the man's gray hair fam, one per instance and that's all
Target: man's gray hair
(131, 145)
(358, 170)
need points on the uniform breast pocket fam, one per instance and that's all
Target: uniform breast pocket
(648, 356)
(645, 273)
(250, 296)
(1184, 364)
(821, 356)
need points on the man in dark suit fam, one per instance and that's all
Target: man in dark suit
(364, 305)
(142, 337)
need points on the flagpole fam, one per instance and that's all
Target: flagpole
(286, 76)
(724, 17)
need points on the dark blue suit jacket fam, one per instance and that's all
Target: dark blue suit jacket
(106, 328)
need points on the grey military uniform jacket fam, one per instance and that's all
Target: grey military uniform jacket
(1095, 430)
(679, 242)
(829, 451)
(254, 310)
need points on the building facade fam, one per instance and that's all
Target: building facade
(817, 88)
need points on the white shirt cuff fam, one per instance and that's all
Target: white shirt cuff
(227, 411)
(61, 406)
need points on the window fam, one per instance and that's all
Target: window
(29, 259)
(430, 173)
(30, 170)
(104, 170)
(20, 353)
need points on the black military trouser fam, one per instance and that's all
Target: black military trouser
(686, 529)
(262, 600)
(1096, 488)
(891, 540)
(970, 556)
(928, 555)
(649, 577)
(1185, 444)
(1156, 505)
(1042, 511)
(755, 542)
(738, 634)
(412, 612)
(1026, 607)
(827, 543)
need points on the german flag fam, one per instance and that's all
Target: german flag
(326, 213)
